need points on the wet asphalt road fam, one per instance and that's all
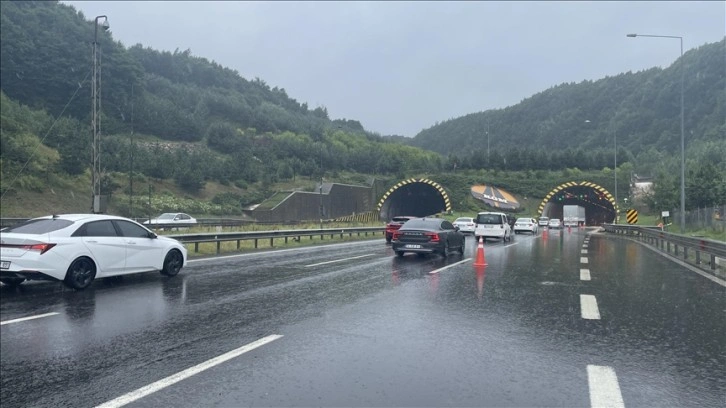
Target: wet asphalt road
(361, 327)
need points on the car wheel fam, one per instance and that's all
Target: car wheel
(80, 274)
(463, 243)
(446, 251)
(172, 263)
(12, 282)
(399, 253)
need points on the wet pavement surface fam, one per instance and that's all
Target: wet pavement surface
(362, 327)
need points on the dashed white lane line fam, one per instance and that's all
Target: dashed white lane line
(182, 375)
(583, 259)
(22, 319)
(449, 266)
(588, 307)
(339, 260)
(584, 274)
(583, 251)
(604, 387)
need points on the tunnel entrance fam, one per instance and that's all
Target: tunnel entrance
(415, 197)
(599, 204)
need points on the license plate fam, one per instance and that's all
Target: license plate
(413, 246)
(5, 265)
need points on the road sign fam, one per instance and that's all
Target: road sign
(632, 216)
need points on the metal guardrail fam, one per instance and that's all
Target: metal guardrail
(679, 245)
(297, 235)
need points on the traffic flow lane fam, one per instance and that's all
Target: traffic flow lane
(145, 327)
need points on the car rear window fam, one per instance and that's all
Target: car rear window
(400, 219)
(42, 226)
(422, 224)
(489, 219)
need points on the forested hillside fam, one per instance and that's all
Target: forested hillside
(169, 115)
(641, 109)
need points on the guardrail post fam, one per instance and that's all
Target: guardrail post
(713, 262)
(698, 257)
(219, 247)
(685, 252)
(271, 243)
(255, 243)
(196, 247)
(239, 243)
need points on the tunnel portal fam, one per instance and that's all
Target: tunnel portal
(599, 204)
(414, 197)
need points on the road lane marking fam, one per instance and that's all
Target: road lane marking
(449, 266)
(583, 251)
(585, 274)
(270, 251)
(588, 307)
(339, 260)
(583, 259)
(604, 387)
(22, 319)
(182, 375)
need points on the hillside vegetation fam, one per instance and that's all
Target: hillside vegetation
(180, 132)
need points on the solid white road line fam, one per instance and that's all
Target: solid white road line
(585, 274)
(22, 319)
(583, 251)
(182, 375)
(449, 266)
(338, 260)
(604, 387)
(588, 307)
(583, 259)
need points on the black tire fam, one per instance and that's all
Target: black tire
(463, 244)
(80, 274)
(388, 239)
(446, 251)
(12, 282)
(173, 263)
(399, 253)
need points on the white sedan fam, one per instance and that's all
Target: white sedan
(526, 224)
(172, 218)
(465, 224)
(77, 248)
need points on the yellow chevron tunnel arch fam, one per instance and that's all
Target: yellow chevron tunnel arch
(600, 205)
(418, 197)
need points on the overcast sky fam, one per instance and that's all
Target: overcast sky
(399, 67)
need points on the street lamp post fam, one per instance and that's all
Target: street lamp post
(96, 206)
(683, 143)
(615, 170)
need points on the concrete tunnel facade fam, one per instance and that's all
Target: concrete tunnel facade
(414, 197)
(600, 206)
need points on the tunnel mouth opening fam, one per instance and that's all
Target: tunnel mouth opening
(600, 207)
(414, 197)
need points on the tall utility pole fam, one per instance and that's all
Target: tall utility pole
(96, 206)
(683, 142)
(615, 170)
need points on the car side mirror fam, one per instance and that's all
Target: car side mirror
(153, 235)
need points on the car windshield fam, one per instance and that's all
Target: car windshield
(41, 226)
(167, 216)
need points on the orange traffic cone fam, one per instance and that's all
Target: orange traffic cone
(480, 261)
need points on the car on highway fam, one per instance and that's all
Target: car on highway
(554, 223)
(465, 224)
(493, 225)
(526, 224)
(543, 221)
(428, 235)
(395, 223)
(78, 248)
(172, 218)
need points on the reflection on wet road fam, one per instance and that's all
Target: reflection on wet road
(362, 327)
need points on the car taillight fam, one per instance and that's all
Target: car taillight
(433, 237)
(396, 234)
(42, 248)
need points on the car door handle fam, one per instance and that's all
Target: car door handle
(131, 242)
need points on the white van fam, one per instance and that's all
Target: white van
(492, 225)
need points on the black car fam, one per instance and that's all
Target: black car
(428, 235)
